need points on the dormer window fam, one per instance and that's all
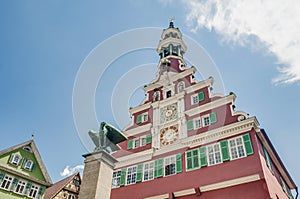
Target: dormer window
(28, 165)
(16, 159)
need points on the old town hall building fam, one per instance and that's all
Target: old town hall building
(187, 142)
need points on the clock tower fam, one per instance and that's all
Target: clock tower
(187, 142)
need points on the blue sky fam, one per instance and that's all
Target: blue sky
(43, 45)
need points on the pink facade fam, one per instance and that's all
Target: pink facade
(187, 142)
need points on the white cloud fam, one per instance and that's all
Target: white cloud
(275, 23)
(71, 170)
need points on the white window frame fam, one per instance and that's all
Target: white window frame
(143, 140)
(170, 161)
(203, 120)
(20, 188)
(33, 191)
(145, 117)
(195, 96)
(131, 175)
(196, 120)
(148, 170)
(116, 179)
(135, 143)
(30, 167)
(7, 182)
(13, 161)
(237, 148)
(216, 154)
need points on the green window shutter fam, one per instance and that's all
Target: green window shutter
(1, 177)
(139, 173)
(10, 158)
(201, 96)
(203, 160)
(28, 185)
(190, 125)
(129, 144)
(41, 190)
(148, 138)
(123, 177)
(14, 183)
(139, 118)
(158, 168)
(178, 163)
(267, 158)
(213, 117)
(225, 152)
(248, 144)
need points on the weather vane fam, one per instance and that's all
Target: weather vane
(172, 19)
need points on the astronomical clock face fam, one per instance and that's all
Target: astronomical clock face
(168, 135)
(168, 113)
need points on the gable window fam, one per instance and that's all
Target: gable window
(180, 87)
(170, 165)
(214, 154)
(6, 183)
(148, 171)
(116, 179)
(198, 97)
(192, 159)
(28, 165)
(236, 148)
(27, 148)
(16, 159)
(131, 175)
(169, 94)
(20, 187)
(142, 118)
(33, 191)
(209, 119)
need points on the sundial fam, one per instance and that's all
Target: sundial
(107, 138)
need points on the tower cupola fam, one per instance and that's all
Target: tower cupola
(171, 42)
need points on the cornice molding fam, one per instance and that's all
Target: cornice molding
(26, 177)
(230, 183)
(134, 158)
(190, 142)
(139, 108)
(210, 105)
(199, 85)
(221, 133)
(137, 130)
